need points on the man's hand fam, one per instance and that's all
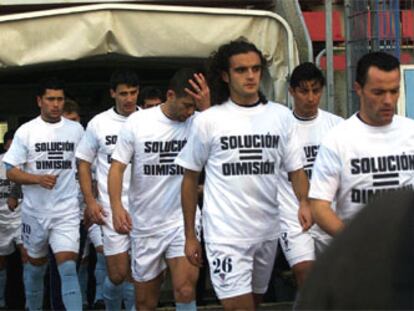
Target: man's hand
(193, 252)
(200, 92)
(95, 213)
(121, 220)
(48, 181)
(305, 215)
(12, 203)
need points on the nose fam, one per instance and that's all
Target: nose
(389, 98)
(311, 96)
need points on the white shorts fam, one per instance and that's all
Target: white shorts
(95, 236)
(62, 233)
(241, 268)
(10, 236)
(298, 246)
(114, 242)
(149, 253)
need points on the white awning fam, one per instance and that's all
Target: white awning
(144, 31)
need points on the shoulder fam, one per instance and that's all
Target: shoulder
(403, 121)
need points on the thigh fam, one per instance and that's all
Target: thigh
(231, 269)
(264, 259)
(182, 272)
(64, 234)
(35, 235)
(298, 246)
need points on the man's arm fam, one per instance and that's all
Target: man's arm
(325, 217)
(20, 177)
(300, 185)
(189, 198)
(121, 219)
(94, 211)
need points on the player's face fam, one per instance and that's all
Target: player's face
(51, 105)
(379, 96)
(306, 97)
(243, 78)
(183, 108)
(74, 116)
(151, 102)
(125, 97)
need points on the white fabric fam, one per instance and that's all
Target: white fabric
(310, 134)
(242, 150)
(96, 147)
(10, 236)
(242, 268)
(114, 243)
(61, 233)
(356, 160)
(149, 254)
(7, 217)
(151, 141)
(126, 29)
(47, 148)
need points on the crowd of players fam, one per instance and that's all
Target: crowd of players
(139, 180)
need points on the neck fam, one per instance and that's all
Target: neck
(48, 120)
(304, 116)
(245, 100)
(167, 110)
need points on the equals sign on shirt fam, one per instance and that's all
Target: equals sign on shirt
(250, 154)
(390, 179)
(55, 155)
(168, 157)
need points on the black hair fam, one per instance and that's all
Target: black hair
(306, 72)
(51, 83)
(219, 62)
(9, 135)
(123, 76)
(381, 60)
(179, 81)
(70, 106)
(149, 92)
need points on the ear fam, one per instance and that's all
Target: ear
(112, 92)
(291, 91)
(171, 96)
(39, 101)
(225, 76)
(358, 88)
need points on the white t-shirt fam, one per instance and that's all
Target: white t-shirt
(310, 134)
(152, 141)
(7, 217)
(97, 146)
(42, 148)
(242, 149)
(356, 161)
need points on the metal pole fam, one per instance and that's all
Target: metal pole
(330, 91)
(349, 68)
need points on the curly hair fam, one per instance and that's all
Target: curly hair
(219, 62)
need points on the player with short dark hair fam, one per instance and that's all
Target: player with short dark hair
(96, 148)
(368, 154)
(42, 159)
(300, 246)
(155, 217)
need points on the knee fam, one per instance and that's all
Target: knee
(117, 276)
(145, 303)
(184, 293)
